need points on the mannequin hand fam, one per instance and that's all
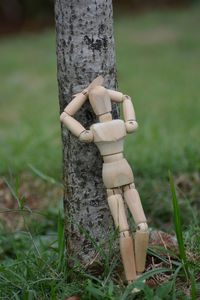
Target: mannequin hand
(131, 126)
(86, 136)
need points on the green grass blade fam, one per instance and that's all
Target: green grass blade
(174, 281)
(164, 289)
(22, 202)
(92, 277)
(177, 224)
(29, 211)
(53, 295)
(45, 177)
(61, 241)
(88, 236)
(111, 243)
(11, 190)
(111, 288)
(165, 260)
(193, 288)
(15, 296)
(17, 187)
(141, 278)
(167, 251)
(95, 292)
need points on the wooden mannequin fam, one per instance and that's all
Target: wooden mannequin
(108, 135)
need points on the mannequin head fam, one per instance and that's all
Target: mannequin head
(100, 100)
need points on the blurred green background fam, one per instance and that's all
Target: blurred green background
(158, 58)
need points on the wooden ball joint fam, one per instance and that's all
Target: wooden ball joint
(108, 135)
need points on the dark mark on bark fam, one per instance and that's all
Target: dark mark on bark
(101, 28)
(71, 48)
(73, 17)
(89, 116)
(94, 203)
(96, 45)
(71, 27)
(105, 42)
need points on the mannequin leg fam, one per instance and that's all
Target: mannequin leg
(116, 205)
(142, 236)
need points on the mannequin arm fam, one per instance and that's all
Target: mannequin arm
(115, 96)
(76, 103)
(128, 109)
(74, 126)
(129, 114)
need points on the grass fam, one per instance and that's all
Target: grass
(158, 65)
(34, 264)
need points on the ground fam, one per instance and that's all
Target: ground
(158, 65)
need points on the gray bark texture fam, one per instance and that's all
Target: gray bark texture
(85, 49)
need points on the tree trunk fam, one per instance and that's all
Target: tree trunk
(85, 49)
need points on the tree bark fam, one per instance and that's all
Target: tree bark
(85, 49)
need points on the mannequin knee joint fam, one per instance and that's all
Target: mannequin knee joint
(142, 227)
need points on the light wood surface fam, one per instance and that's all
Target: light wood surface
(127, 253)
(100, 100)
(141, 244)
(113, 157)
(109, 136)
(105, 118)
(74, 126)
(117, 209)
(109, 131)
(107, 148)
(86, 136)
(115, 96)
(128, 110)
(98, 81)
(134, 204)
(117, 173)
(75, 104)
(131, 126)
